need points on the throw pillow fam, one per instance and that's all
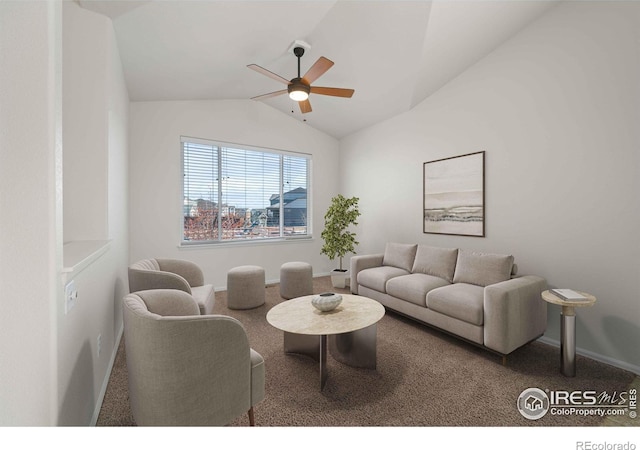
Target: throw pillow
(399, 255)
(482, 269)
(439, 262)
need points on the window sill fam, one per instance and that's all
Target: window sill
(249, 242)
(78, 255)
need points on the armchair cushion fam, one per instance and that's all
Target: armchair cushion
(186, 269)
(169, 302)
(146, 274)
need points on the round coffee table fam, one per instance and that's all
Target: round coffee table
(349, 330)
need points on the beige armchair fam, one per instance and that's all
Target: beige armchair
(172, 274)
(184, 368)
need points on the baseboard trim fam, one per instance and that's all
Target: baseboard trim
(315, 275)
(105, 383)
(595, 356)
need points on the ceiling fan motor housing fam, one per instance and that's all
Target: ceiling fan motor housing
(297, 84)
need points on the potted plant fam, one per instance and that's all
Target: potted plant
(338, 239)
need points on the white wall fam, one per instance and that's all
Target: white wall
(29, 252)
(155, 192)
(50, 371)
(95, 181)
(556, 109)
(85, 166)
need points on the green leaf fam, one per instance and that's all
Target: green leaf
(338, 240)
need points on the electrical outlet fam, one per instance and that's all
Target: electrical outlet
(99, 344)
(70, 296)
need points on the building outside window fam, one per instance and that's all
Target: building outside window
(237, 193)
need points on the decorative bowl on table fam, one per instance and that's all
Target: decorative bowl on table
(327, 301)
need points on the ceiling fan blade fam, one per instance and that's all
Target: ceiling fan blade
(268, 73)
(319, 68)
(335, 92)
(305, 106)
(269, 95)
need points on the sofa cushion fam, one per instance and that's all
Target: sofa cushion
(461, 301)
(436, 261)
(482, 269)
(377, 277)
(399, 255)
(414, 287)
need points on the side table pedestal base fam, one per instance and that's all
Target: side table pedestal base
(568, 345)
(568, 326)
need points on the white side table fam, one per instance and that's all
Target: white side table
(568, 329)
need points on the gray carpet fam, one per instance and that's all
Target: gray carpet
(424, 378)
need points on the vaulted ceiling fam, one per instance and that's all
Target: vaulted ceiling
(393, 53)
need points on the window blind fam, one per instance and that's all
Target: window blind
(234, 193)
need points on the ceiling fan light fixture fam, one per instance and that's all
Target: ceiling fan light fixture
(298, 91)
(298, 96)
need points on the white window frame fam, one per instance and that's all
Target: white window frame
(246, 241)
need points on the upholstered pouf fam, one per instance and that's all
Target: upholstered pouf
(245, 287)
(296, 280)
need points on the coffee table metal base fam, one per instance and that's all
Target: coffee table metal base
(355, 349)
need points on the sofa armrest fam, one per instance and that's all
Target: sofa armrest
(361, 262)
(186, 269)
(514, 313)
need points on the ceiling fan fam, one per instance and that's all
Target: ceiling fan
(299, 88)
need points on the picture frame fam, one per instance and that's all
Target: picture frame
(454, 195)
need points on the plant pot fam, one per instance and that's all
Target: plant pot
(339, 278)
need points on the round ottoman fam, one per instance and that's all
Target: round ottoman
(245, 287)
(296, 280)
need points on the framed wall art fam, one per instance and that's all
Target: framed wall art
(454, 195)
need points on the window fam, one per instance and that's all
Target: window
(237, 193)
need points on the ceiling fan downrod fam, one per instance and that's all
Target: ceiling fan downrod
(298, 51)
(298, 89)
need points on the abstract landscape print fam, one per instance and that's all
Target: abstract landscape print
(454, 195)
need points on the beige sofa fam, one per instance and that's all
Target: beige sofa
(475, 296)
